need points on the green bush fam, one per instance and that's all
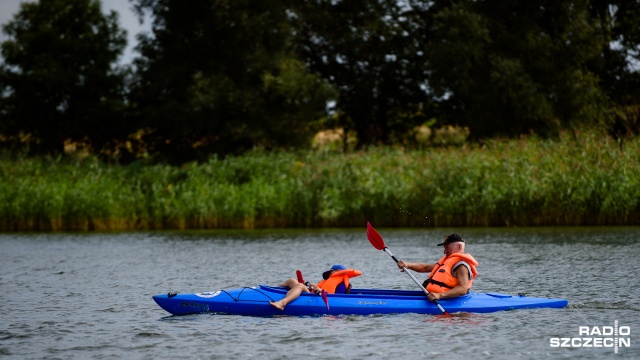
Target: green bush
(589, 181)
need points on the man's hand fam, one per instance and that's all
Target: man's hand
(401, 264)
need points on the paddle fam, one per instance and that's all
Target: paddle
(322, 293)
(376, 240)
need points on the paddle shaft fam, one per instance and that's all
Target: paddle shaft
(414, 280)
(322, 292)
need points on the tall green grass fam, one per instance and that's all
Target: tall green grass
(588, 181)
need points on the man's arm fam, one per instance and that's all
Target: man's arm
(417, 267)
(462, 274)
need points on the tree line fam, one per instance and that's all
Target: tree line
(224, 76)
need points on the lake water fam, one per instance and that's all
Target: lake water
(82, 296)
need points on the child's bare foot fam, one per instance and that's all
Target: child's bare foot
(277, 304)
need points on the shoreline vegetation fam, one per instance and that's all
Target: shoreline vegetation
(582, 181)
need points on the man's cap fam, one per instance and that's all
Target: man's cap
(451, 238)
(326, 274)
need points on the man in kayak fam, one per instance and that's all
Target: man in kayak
(452, 275)
(336, 281)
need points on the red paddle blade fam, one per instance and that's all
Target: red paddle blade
(299, 275)
(324, 298)
(374, 238)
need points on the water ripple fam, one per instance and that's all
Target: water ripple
(89, 295)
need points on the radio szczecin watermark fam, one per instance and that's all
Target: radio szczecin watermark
(596, 337)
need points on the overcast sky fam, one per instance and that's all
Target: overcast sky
(127, 19)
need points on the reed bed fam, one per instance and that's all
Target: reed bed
(590, 180)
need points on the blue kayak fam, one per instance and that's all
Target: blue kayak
(254, 301)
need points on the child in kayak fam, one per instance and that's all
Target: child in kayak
(336, 281)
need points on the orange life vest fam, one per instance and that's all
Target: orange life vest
(441, 277)
(341, 276)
